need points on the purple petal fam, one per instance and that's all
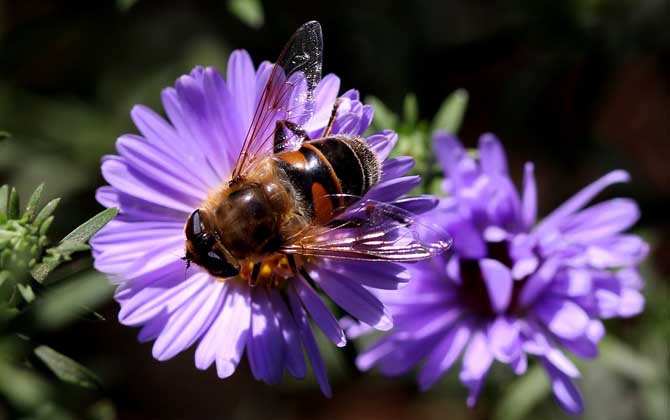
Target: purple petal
(265, 348)
(354, 299)
(375, 353)
(165, 295)
(226, 338)
(529, 196)
(563, 317)
(468, 242)
(116, 171)
(578, 201)
(538, 282)
(386, 191)
(504, 339)
(492, 155)
(631, 303)
(241, 78)
(396, 167)
(295, 361)
(165, 138)
(325, 95)
(477, 360)
(311, 347)
(443, 356)
(417, 204)
(119, 243)
(382, 143)
(189, 322)
(601, 220)
(405, 355)
(318, 310)
(141, 156)
(378, 275)
(567, 395)
(572, 282)
(498, 280)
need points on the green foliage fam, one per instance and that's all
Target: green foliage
(415, 134)
(524, 393)
(27, 305)
(248, 11)
(66, 369)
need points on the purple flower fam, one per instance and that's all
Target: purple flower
(162, 175)
(513, 286)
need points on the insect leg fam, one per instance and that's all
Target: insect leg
(255, 271)
(331, 121)
(281, 137)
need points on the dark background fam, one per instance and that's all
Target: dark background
(578, 87)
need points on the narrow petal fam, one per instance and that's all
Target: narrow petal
(376, 352)
(601, 220)
(379, 275)
(578, 201)
(189, 322)
(396, 167)
(492, 155)
(354, 299)
(498, 280)
(443, 356)
(116, 171)
(318, 310)
(241, 78)
(529, 196)
(504, 339)
(227, 337)
(295, 361)
(162, 297)
(417, 204)
(382, 143)
(477, 360)
(538, 282)
(565, 392)
(265, 349)
(308, 340)
(386, 191)
(563, 317)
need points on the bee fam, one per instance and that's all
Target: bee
(300, 198)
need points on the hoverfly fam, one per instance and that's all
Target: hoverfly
(300, 198)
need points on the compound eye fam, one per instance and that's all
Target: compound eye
(196, 223)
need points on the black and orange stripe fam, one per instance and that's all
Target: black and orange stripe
(323, 169)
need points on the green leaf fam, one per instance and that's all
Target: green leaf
(5, 135)
(84, 232)
(46, 212)
(410, 111)
(73, 242)
(4, 195)
(13, 211)
(622, 359)
(66, 369)
(248, 11)
(450, 115)
(524, 393)
(65, 302)
(383, 117)
(23, 387)
(125, 5)
(33, 202)
(26, 292)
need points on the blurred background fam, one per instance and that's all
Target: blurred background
(578, 87)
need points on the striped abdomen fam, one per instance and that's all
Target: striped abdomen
(323, 169)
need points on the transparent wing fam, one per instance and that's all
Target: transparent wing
(371, 230)
(288, 93)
